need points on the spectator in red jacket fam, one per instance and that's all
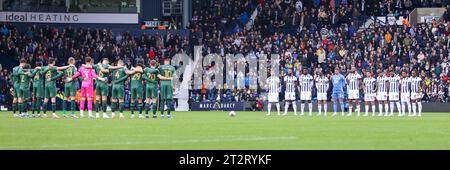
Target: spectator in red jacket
(151, 54)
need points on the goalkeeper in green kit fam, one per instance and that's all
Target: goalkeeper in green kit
(166, 73)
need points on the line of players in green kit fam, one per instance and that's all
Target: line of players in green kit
(142, 79)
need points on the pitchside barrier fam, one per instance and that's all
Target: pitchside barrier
(427, 107)
(248, 106)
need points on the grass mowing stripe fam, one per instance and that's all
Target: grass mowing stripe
(215, 130)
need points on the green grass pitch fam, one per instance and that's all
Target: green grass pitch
(216, 130)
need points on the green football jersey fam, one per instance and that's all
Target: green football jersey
(119, 76)
(14, 77)
(69, 73)
(99, 72)
(136, 80)
(50, 74)
(151, 75)
(25, 79)
(38, 78)
(166, 71)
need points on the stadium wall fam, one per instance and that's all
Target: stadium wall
(427, 107)
(247, 106)
(151, 9)
(133, 29)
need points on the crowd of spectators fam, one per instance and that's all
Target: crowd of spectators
(41, 43)
(325, 36)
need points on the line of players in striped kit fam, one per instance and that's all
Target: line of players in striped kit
(389, 90)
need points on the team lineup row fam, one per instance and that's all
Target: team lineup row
(43, 80)
(388, 87)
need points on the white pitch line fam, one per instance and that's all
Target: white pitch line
(224, 139)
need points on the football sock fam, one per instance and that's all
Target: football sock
(72, 106)
(113, 106)
(302, 108)
(82, 103)
(64, 106)
(162, 107)
(154, 108)
(403, 108)
(373, 109)
(380, 108)
(399, 108)
(90, 105)
(33, 107)
(147, 108)
(20, 107)
(97, 105)
(14, 107)
(295, 107)
(392, 107)
(38, 105)
(409, 108)
(132, 107)
(366, 108)
(278, 108)
(104, 106)
(53, 107)
(286, 107)
(121, 106)
(335, 107)
(386, 108)
(44, 108)
(310, 108)
(350, 109)
(319, 108)
(358, 109)
(419, 105)
(25, 107)
(140, 108)
(169, 106)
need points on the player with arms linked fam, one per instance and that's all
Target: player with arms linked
(166, 73)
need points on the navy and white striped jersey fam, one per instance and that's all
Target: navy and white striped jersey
(353, 81)
(393, 84)
(290, 83)
(306, 83)
(369, 85)
(382, 85)
(274, 84)
(404, 85)
(415, 84)
(322, 84)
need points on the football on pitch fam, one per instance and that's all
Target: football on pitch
(232, 114)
